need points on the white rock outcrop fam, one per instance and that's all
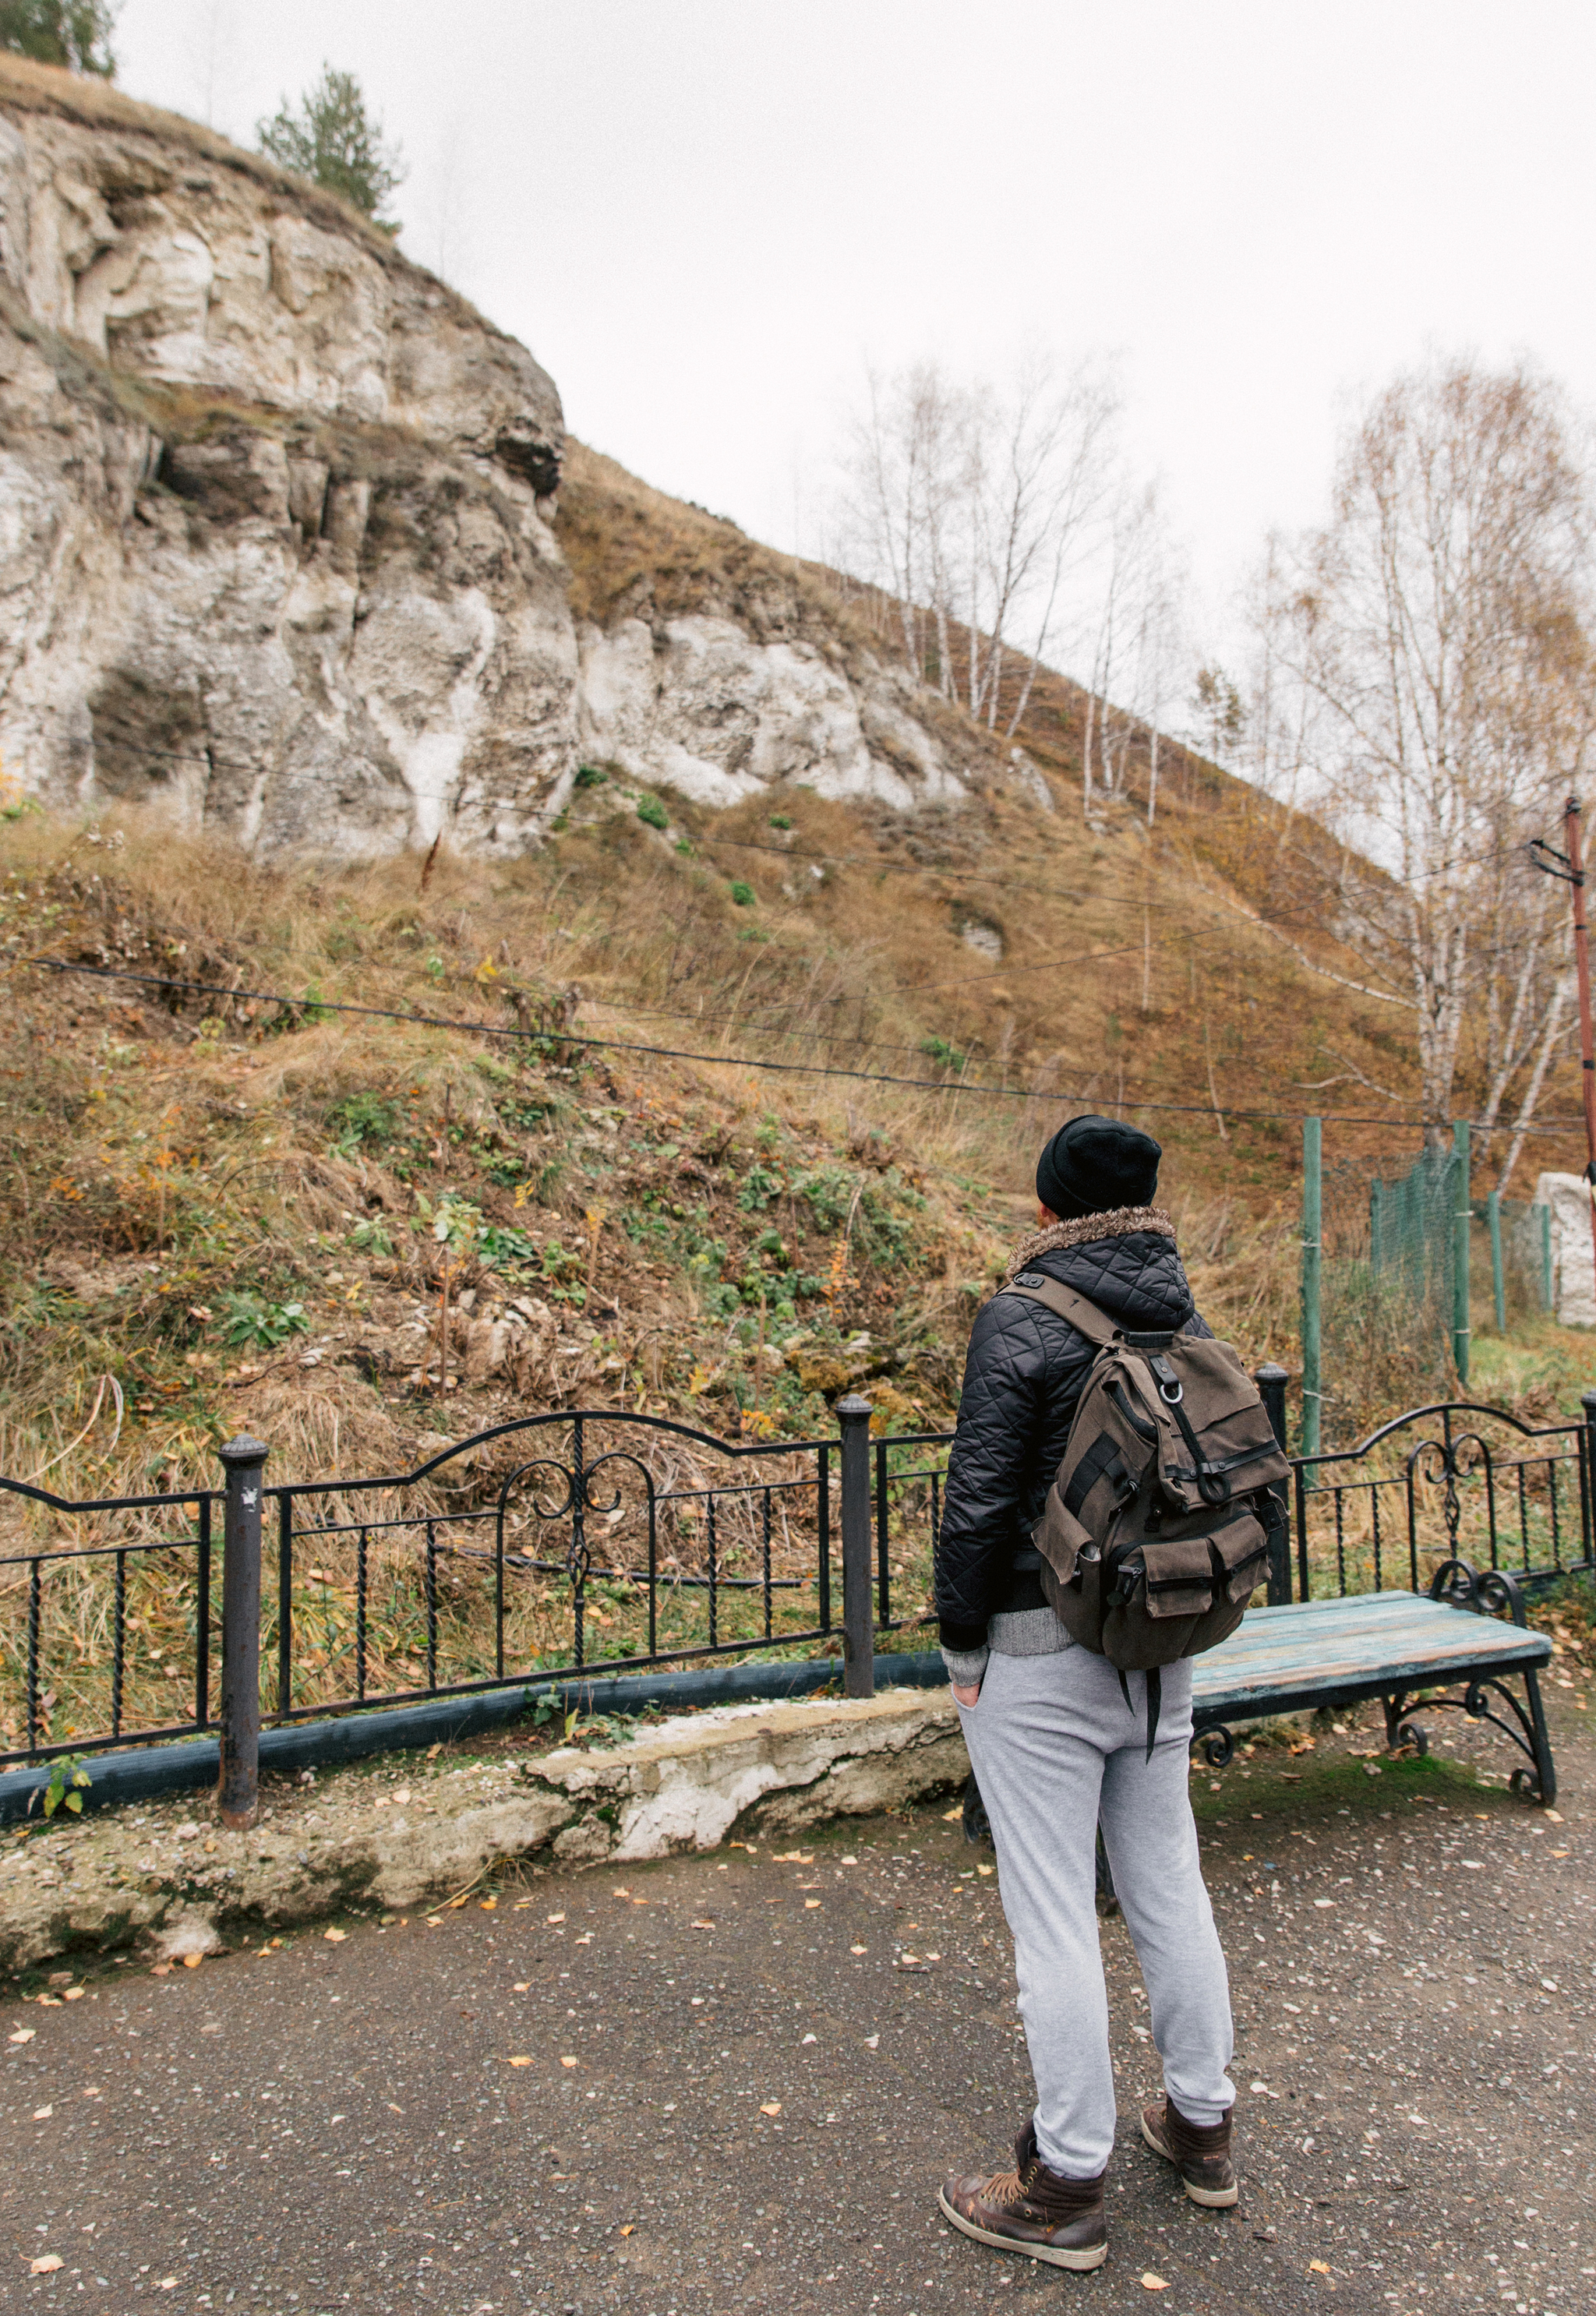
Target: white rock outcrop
(1574, 1253)
(277, 544)
(706, 708)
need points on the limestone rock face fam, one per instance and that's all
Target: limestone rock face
(275, 544)
(277, 554)
(706, 708)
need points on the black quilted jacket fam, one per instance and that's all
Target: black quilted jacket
(1022, 1380)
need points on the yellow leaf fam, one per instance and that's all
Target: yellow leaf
(523, 2060)
(335, 1937)
(810, 1904)
(193, 1962)
(952, 1816)
(521, 1986)
(984, 1871)
(771, 2106)
(568, 2063)
(703, 1926)
(630, 2230)
(1151, 2282)
(23, 2035)
(554, 1917)
(46, 2266)
(1317, 2267)
(488, 1904)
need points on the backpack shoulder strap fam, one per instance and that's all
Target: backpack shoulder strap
(1084, 1316)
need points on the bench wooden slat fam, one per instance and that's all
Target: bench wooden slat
(1375, 1642)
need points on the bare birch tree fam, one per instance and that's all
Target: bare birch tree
(973, 508)
(1428, 660)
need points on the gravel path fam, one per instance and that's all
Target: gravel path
(734, 2088)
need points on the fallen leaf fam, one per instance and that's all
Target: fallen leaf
(984, 1871)
(624, 1891)
(568, 2063)
(393, 2109)
(1317, 2267)
(335, 1937)
(521, 1986)
(952, 1816)
(870, 2041)
(193, 1962)
(1553, 1817)
(586, 1937)
(794, 1857)
(554, 1917)
(859, 1949)
(73, 1994)
(771, 2106)
(45, 2265)
(523, 2060)
(42, 2114)
(703, 1926)
(23, 2035)
(488, 1904)
(167, 2283)
(811, 1905)
(1152, 2282)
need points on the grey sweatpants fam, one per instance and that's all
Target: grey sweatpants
(1053, 1748)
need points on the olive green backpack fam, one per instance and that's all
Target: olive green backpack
(1158, 1528)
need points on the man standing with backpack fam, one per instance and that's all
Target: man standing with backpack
(1151, 1536)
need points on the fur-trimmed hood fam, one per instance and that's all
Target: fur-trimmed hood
(1086, 1230)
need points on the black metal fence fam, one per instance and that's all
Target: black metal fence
(581, 1543)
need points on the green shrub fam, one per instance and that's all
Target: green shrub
(948, 1056)
(362, 1120)
(499, 1244)
(780, 820)
(588, 776)
(744, 894)
(650, 809)
(248, 1319)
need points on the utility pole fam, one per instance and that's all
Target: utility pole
(1572, 874)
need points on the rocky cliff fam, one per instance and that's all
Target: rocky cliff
(279, 551)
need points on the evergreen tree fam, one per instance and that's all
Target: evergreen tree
(76, 33)
(330, 137)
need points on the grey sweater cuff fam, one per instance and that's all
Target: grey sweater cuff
(966, 1668)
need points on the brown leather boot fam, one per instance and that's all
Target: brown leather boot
(1031, 2209)
(1201, 2153)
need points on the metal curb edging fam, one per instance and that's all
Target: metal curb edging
(154, 1771)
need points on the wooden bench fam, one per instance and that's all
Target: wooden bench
(1390, 1646)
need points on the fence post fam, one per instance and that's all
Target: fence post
(859, 1624)
(1271, 1381)
(1498, 1282)
(1461, 1220)
(1587, 1505)
(237, 1789)
(1311, 1214)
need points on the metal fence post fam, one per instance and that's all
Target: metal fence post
(858, 1628)
(237, 1789)
(1587, 1505)
(1463, 1216)
(1271, 1381)
(1312, 1249)
(1498, 1281)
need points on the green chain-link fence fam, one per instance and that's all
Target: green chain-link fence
(1405, 1258)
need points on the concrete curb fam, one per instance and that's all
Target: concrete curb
(429, 1834)
(153, 1772)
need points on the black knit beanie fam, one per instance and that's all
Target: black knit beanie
(1094, 1165)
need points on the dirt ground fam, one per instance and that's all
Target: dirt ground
(733, 2080)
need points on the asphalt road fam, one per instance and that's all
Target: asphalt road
(736, 2091)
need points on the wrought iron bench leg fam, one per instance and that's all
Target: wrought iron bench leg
(1530, 1735)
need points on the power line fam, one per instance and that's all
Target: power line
(716, 1061)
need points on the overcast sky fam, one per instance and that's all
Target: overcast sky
(704, 217)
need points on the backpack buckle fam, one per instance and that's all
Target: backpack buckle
(1170, 1388)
